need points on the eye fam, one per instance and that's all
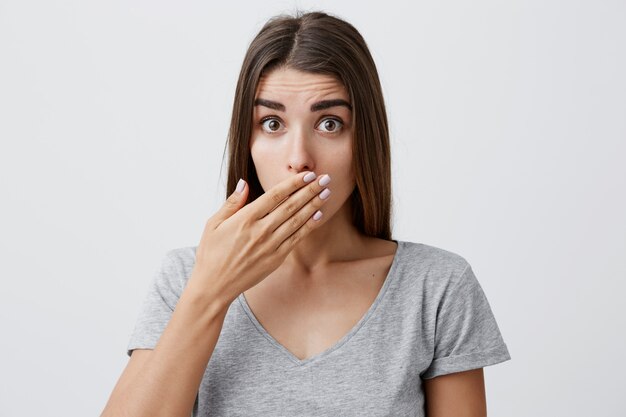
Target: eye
(331, 123)
(273, 126)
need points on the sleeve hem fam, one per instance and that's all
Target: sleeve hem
(134, 346)
(451, 364)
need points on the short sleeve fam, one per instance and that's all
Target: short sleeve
(466, 333)
(158, 304)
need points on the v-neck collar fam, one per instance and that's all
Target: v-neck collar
(381, 293)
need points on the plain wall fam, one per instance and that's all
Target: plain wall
(508, 135)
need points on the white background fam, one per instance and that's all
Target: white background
(508, 129)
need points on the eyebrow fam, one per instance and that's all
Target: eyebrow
(320, 105)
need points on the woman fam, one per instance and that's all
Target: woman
(296, 300)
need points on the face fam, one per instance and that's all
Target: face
(296, 128)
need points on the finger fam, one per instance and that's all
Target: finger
(302, 222)
(233, 203)
(295, 202)
(271, 199)
(300, 225)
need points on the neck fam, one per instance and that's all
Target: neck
(337, 240)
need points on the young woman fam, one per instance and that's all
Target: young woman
(297, 301)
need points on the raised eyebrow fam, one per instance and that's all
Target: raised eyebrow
(320, 105)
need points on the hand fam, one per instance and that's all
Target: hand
(240, 247)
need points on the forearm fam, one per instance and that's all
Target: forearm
(166, 384)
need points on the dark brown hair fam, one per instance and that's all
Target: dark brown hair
(317, 42)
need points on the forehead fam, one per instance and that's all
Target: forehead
(289, 82)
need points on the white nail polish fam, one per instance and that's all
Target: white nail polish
(309, 177)
(324, 180)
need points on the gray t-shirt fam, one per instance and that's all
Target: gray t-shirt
(430, 318)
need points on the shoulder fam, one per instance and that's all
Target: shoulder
(181, 257)
(427, 259)
(429, 270)
(175, 269)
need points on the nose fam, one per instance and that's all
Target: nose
(300, 157)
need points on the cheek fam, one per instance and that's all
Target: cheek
(256, 153)
(345, 159)
(259, 152)
(340, 163)
(265, 162)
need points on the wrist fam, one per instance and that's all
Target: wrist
(209, 300)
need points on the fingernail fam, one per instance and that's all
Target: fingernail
(324, 180)
(317, 215)
(240, 185)
(309, 177)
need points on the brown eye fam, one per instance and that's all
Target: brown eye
(330, 125)
(272, 126)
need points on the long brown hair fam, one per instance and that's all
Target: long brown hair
(317, 42)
